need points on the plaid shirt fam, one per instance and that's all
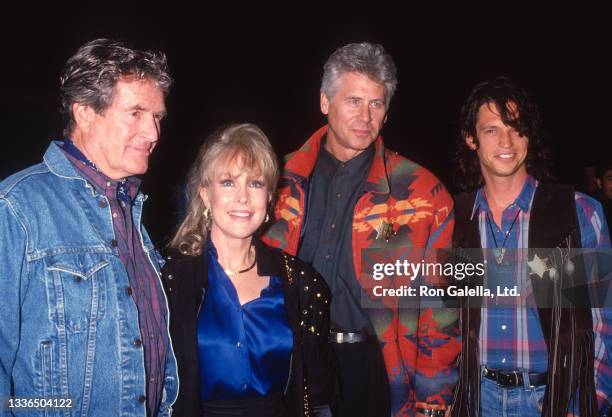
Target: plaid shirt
(144, 284)
(512, 338)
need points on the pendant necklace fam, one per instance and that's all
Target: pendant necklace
(500, 252)
(231, 273)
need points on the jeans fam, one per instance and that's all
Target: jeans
(499, 401)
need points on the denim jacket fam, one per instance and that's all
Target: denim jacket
(67, 323)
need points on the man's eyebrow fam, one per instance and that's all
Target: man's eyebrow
(486, 125)
(138, 107)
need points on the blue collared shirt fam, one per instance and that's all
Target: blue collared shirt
(255, 338)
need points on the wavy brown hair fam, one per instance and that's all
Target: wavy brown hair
(510, 100)
(244, 142)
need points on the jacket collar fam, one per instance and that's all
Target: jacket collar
(269, 261)
(58, 163)
(301, 163)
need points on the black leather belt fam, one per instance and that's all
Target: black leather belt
(514, 378)
(347, 337)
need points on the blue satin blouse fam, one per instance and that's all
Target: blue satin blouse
(244, 350)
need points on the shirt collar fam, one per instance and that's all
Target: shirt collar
(522, 201)
(355, 166)
(71, 149)
(126, 188)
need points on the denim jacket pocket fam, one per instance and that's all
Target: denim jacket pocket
(76, 290)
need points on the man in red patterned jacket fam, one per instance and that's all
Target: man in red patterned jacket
(343, 192)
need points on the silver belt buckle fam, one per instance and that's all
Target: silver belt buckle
(346, 337)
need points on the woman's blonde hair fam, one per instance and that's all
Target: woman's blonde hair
(245, 143)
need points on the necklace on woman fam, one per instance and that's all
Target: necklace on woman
(231, 273)
(500, 252)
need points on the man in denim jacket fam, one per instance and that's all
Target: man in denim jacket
(83, 326)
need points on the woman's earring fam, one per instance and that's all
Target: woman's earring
(206, 217)
(267, 218)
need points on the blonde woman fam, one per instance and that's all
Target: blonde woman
(249, 324)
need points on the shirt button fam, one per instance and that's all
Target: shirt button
(137, 342)
(504, 327)
(102, 204)
(108, 183)
(243, 387)
(338, 195)
(327, 257)
(238, 345)
(333, 225)
(503, 360)
(142, 399)
(114, 243)
(114, 215)
(128, 290)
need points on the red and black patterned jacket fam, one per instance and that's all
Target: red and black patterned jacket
(406, 209)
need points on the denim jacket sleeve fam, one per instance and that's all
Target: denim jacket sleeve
(13, 270)
(171, 386)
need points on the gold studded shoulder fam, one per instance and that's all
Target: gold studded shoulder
(314, 295)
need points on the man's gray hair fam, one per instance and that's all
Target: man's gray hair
(91, 74)
(365, 58)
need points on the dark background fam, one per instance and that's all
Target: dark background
(263, 64)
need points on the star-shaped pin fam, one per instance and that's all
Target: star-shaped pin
(537, 266)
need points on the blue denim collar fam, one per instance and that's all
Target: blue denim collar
(58, 163)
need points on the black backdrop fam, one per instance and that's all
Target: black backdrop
(263, 64)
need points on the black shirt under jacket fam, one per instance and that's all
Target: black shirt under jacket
(334, 189)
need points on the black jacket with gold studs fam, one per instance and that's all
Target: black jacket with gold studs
(307, 298)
